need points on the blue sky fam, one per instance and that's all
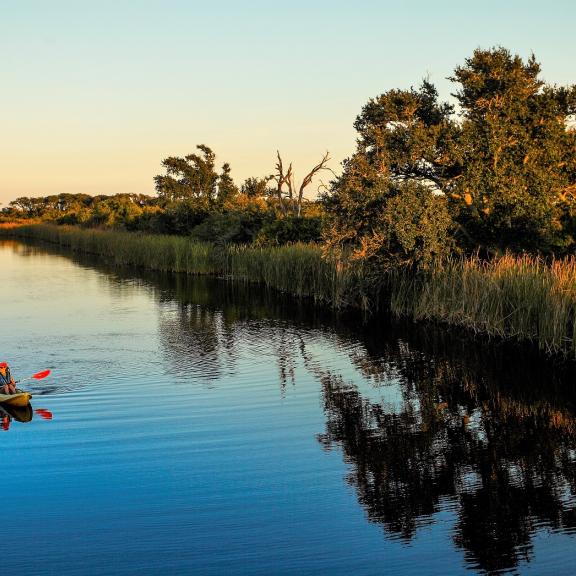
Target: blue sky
(96, 93)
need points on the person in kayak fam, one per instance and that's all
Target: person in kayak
(7, 384)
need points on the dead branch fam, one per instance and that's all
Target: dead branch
(287, 179)
(308, 178)
(281, 180)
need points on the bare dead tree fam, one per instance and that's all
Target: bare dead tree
(308, 178)
(287, 179)
(281, 180)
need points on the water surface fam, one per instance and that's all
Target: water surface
(204, 427)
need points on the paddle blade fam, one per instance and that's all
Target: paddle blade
(43, 413)
(40, 375)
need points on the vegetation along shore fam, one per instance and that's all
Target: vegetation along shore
(522, 297)
(464, 215)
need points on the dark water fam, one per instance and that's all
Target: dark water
(200, 427)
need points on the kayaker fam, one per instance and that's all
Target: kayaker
(7, 384)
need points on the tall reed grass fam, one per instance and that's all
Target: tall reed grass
(509, 297)
(520, 297)
(298, 269)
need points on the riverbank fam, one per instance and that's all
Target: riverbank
(510, 297)
(297, 269)
(520, 297)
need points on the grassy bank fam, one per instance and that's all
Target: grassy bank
(298, 269)
(510, 297)
(15, 223)
(519, 297)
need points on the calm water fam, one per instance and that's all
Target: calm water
(200, 427)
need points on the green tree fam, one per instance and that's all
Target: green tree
(226, 187)
(191, 177)
(517, 157)
(50, 207)
(383, 209)
(256, 187)
(408, 134)
(388, 224)
(507, 166)
(121, 210)
(194, 178)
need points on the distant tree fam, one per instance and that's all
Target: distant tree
(29, 207)
(226, 187)
(51, 207)
(194, 178)
(121, 210)
(256, 187)
(191, 177)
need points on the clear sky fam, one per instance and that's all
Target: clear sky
(95, 93)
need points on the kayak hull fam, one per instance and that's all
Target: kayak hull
(19, 399)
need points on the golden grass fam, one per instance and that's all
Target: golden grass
(11, 225)
(511, 297)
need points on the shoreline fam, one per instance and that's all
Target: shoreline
(512, 298)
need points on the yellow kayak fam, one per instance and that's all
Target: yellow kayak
(19, 399)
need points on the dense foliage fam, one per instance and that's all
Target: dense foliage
(504, 167)
(193, 199)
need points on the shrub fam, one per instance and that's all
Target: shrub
(290, 230)
(230, 227)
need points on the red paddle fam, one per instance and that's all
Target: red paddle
(37, 376)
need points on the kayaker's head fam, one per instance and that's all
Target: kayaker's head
(3, 368)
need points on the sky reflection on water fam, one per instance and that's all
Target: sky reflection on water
(217, 428)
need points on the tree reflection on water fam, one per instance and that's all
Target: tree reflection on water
(485, 431)
(475, 431)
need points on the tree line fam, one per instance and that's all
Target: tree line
(195, 198)
(495, 172)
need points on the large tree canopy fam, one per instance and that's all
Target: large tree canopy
(383, 209)
(518, 157)
(408, 134)
(506, 163)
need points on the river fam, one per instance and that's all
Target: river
(195, 426)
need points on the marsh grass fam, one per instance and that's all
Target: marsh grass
(298, 269)
(520, 297)
(509, 297)
(164, 253)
